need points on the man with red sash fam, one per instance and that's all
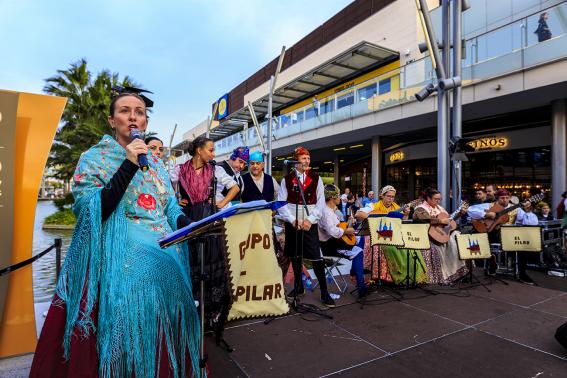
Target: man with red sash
(302, 231)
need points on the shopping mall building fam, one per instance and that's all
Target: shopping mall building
(346, 92)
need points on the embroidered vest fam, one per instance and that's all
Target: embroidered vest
(251, 191)
(309, 187)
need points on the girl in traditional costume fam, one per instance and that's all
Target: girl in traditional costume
(195, 180)
(123, 307)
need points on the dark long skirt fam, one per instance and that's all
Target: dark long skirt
(217, 290)
(307, 243)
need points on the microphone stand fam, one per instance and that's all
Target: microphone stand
(298, 307)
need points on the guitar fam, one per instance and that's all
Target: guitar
(396, 213)
(441, 233)
(348, 239)
(488, 225)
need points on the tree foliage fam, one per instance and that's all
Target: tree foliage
(84, 120)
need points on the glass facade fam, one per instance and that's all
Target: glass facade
(513, 45)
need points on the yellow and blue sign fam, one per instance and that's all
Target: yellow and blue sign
(223, 107)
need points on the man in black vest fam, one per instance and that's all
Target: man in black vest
(302, 231)
(233, 167)
(257, 184)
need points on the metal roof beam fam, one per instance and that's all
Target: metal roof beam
(344, 66)
(310, 83)
(366, 55)
(326, 75)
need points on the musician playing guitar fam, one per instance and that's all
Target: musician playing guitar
(384, 206)
(330, 238)
(442, 259)
(489, 212)
(393, 263)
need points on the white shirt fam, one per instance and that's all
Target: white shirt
(224, 180)
(526, 219)
(328, 225)
(288, 211)
(260, 184)
(478, 211)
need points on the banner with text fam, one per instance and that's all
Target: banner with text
(255, 277)
(473, 246)
(521, 238)
(416, 235)
(386, 231)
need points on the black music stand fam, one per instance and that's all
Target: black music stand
(210, 226)
(375, 285)
(470, 280)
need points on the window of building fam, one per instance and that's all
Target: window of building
(367, 92)
(345, 100)
(310, 113)
(327, 106)
(385, 86)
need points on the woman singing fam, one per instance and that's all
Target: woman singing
(195, 179)
(123, 307)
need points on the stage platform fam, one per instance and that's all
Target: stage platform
(507, 332)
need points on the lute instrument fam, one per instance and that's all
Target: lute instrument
(348, 239)
(502, 215)
(441, 233)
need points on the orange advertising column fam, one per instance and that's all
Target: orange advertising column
(28, 123)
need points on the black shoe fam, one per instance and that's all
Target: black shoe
(300, 292)
(362, 292)
(327, 300)
(524, 278)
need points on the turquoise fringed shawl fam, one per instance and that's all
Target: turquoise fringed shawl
(142, 293)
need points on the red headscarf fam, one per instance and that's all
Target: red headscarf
(300, 151)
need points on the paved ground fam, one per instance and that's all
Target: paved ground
(507, 332)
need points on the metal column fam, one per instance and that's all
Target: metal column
(376, 167)
(457, 98)
(558, 150)
(442, 115)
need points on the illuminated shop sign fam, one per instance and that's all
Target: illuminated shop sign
(396, 156)
(489, 143)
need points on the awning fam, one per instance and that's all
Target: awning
(351, 63)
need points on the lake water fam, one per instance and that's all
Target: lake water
(44, 268)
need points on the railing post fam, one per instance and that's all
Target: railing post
(58, 244)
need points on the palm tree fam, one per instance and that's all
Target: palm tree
(84, 120)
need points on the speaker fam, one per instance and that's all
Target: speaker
(561, 335)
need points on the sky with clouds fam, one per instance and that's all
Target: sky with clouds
(188, 53)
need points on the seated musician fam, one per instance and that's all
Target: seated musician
(392, 266)
(442, 259)
(330, 235)
(384, 206)
(522, 216)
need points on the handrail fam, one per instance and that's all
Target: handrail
(57, 245)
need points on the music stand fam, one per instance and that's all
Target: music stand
(199, 232)
(415, 251)
(375, 285)
(467, 253)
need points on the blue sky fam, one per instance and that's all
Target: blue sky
(188, 53)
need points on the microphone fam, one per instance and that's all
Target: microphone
(212, 162)
(142, 158)
(288, 162)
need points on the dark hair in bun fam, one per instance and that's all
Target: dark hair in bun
(429, 193)
(198, 142)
